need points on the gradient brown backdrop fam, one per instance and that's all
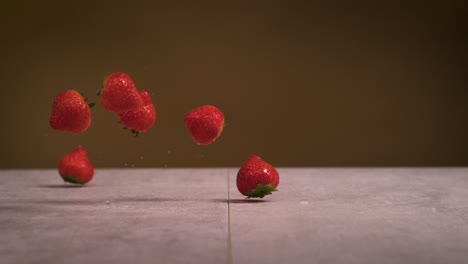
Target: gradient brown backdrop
(301, 83)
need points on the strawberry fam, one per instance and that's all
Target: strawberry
(205, 124)
(119, 93)
(257, 178)
(70, 112)
(140, 119)
(75, 167)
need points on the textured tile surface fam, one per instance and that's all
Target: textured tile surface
(123, 216)
(355, 216)
(399, 215)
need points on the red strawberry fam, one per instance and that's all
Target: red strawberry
(70, 112)
(119, 93)
(256, 178)
(205, 124)
(75, 167)
(140, 119)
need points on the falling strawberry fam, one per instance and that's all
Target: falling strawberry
(70, 112)
(119, 93)
(205, 124)
(257, 178)
(75, 167)
(140, 119)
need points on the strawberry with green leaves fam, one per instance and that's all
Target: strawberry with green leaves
(119, 93)
(204, 123)
(256, 178)
(140, 119)
(75, 167)
(70, 112)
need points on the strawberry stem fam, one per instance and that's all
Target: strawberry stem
(85, 99)
(135, 132)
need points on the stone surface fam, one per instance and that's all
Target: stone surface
(349, 215)
(123, 216)
(354, 216)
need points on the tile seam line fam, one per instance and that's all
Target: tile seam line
(229, 240)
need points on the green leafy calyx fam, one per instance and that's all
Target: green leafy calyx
(261, 190)
(71, 179)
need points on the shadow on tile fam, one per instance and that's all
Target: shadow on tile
(218, 200)
(162, 199)
(246, 201)
(20, 209)
(63, 186)
(135, 199)
(67, 202)
(102, 201)
(167, 199)
(149, 199)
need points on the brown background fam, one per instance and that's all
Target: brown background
(300, 83)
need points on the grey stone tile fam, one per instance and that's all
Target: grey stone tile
(180, 216)
(355, 216)
(123, 216)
